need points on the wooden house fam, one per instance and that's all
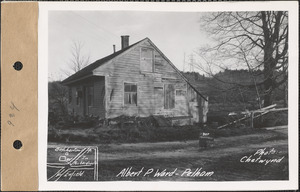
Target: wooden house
(138, 80)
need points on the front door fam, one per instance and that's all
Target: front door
(86, 99)
(85, 105)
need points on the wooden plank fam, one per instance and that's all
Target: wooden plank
(265, 108)
(277, 127)
(280, 109)
(252, 116)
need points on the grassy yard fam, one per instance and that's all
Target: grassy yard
(223, 159)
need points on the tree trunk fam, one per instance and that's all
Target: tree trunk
(268, 76)
(269, 62)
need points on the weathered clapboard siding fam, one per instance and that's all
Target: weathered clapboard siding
(126, 68)
(99, 98)
(160, 88)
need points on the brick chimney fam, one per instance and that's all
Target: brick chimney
(114, 48)
(124, 41)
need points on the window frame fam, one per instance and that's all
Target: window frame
(132, 83)
(165, 96)
(153, 60)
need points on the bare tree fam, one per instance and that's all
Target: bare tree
(78, 60)
(58, 98)
(253, 40)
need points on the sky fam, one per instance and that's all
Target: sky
(176, 34)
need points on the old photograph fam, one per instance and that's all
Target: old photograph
(168, 96)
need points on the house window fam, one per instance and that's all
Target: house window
(146, 59)
(90, 96)
(130, 94)
(169, 96)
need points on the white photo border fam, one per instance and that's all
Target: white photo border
(293, 140)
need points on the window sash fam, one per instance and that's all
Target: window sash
(130, 98)
(130, 94)
(128, 87)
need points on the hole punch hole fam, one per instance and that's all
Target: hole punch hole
(18, 66)
(17, 144)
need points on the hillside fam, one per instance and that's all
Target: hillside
(232, 90)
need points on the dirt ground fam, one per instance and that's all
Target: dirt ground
(185, 161)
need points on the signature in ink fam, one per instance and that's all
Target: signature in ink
(12, 115)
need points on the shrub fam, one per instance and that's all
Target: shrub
(137, 129)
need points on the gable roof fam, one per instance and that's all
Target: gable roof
(88, 70)
(179, 73)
